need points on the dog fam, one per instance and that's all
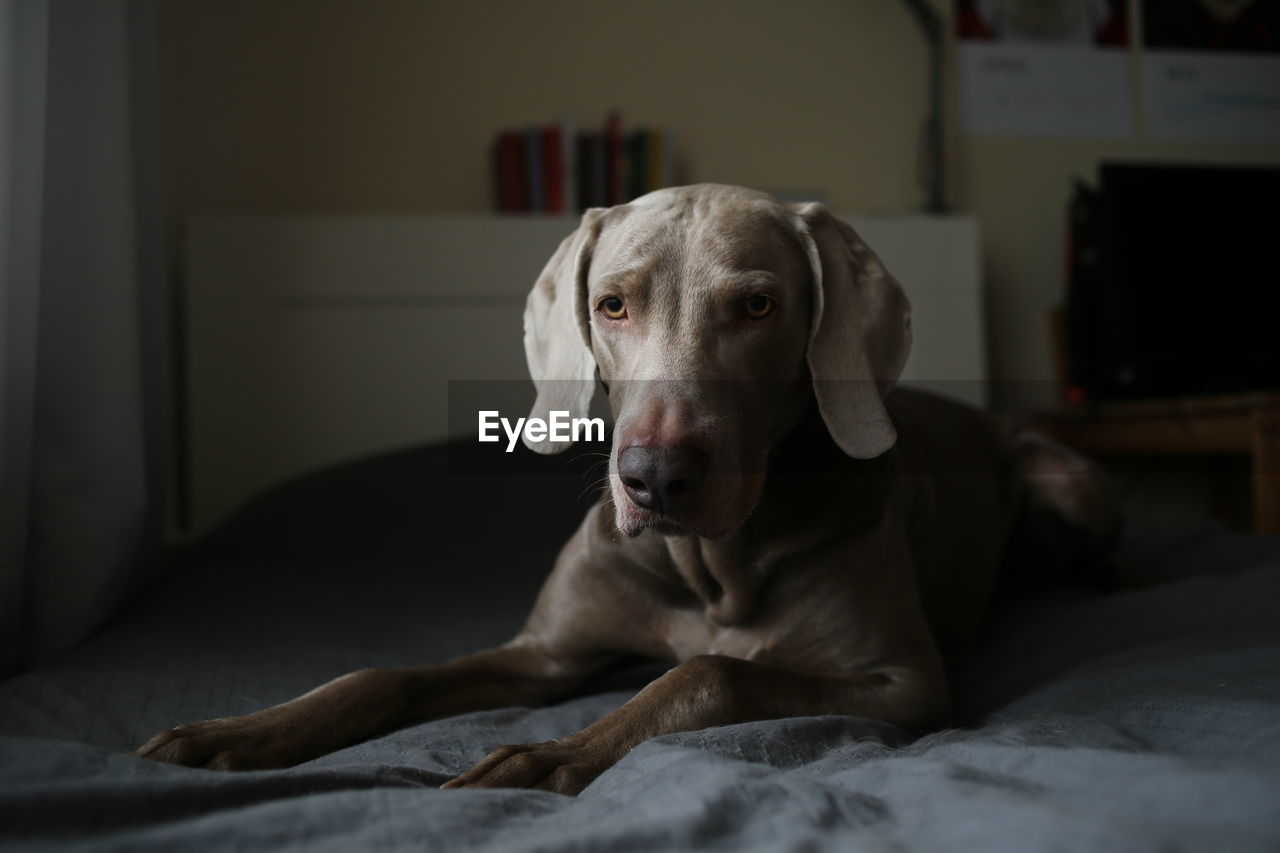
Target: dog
(794, 534)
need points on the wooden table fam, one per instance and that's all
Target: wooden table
(1239, 423)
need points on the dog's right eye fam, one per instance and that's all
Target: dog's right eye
(613, 308)
(759, 305)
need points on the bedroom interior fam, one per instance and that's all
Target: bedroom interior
(252, 249)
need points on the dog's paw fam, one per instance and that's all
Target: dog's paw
(227, 743)
(561, 766)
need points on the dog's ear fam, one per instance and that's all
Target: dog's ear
(860, 334)
(557, 335)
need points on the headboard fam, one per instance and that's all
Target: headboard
(312, 340)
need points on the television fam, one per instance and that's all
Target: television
(1173, 282)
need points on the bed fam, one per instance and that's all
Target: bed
(1143, 716)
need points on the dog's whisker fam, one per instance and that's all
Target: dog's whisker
(597, 484)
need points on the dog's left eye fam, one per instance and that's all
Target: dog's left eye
(759, 305)
(613, 308)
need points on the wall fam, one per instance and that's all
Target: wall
(389, 106)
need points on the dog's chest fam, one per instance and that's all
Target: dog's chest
(822, 635)
(741, 608)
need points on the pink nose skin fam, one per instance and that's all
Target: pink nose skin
(662, 479)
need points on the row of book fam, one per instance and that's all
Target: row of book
(553, 169)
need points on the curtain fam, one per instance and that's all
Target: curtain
(83, 344)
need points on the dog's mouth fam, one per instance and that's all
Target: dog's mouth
(708, 520)
(665, 525)
(659, 523)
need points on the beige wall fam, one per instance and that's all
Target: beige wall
(389, 106)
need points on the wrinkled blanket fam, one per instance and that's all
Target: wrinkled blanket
(1141, 718)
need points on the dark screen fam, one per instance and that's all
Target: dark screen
(1195, 254)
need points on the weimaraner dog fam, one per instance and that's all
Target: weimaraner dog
(792, 537)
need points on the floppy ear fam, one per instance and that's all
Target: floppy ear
(557, 337)
(860, 335)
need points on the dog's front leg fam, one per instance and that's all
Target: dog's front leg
(711, 690)
(369, 702)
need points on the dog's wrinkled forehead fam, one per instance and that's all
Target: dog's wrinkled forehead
(692, 239)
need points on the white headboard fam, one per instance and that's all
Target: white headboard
(313, 340)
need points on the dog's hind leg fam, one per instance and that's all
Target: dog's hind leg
(1070, 516)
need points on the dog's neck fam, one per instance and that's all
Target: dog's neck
(723, 573)
(792, 516)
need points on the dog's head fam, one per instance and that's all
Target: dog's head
(715, 316)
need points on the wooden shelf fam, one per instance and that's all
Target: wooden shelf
(1239, 423)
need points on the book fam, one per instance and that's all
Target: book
(636, 155)
(569, 146)
(553, 169)
(583, 170)
(613, 159)
(598, 166)
(669, 159)
(533, 170)
(509, 172)
(657, 153)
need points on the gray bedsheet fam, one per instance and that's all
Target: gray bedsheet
(1143, 719)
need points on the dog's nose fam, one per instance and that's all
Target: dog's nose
(661, 478)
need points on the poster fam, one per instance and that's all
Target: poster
(1044, 68)
(1211, 70)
